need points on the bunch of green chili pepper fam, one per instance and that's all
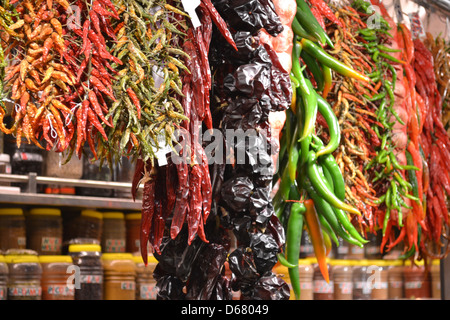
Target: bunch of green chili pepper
(148, 84)
(387, 171)
(311, 194)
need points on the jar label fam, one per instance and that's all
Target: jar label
(305, 285)
(87, 278)
(115, 245)
(321, 286)
(2, 293)
(363, 285)
(396, 284)
(24, 291)
(148, 291)
(127, 285)
(21, 241)
(346, 287)
(51, 244)
(380, 285)
(413, 284)
(60, 290)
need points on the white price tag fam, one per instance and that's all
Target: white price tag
(190, 6)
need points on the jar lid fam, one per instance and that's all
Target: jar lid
(113, 215)
(117, 256)
(341, 262)
(26, 258)
(150, 259)
(91, 247)
(45, 212)
(132, 216)
(91, 213)
(55, 258)
(4, 157)
(2, 258)
(11, 212)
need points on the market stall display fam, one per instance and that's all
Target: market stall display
(245, 129)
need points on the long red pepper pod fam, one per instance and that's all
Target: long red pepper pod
(317, 239)
(220, 23)
(148, 209)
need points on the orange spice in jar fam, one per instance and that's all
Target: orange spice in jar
(133, 231)
(119, 272)
(12, 229)
(45, 230)
(56, 281)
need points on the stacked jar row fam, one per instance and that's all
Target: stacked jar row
(367, 280)
(49, 231)
(84, 274)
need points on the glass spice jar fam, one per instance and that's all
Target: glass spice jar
(146, 288)
(380, 282)
(361, 286)
(323, 290)
(436, 279)
(119, 271)
(395, 279)
(44, 230)
(24, 275)
(417, 281)
(3, 278)
(86, 224)
(89, 276)
(12, 229)
(56, 281)
(133, 230)
(114, 232)
(306, 274)
(56, 165)
(342, 278)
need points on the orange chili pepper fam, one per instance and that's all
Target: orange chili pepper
(317, 238)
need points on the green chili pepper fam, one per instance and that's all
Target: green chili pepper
(323, 190)
(315, 69)
(329, 162)
(398, 166)
(308, 96)
(348, 226)
(323, 57)
(333, 127)
(301, 32)
(284, 262)
(325, 210)
(391, 58)
(375, 97)
(327, 228)
(293, 242)
(387, 215)
(328, 80)
(294, 155)
(309, 22)
(412, 176)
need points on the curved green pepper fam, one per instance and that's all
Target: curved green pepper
(334, 129)
(323, 57)
(315, 69)
(325, 210)
(323, 189)
(309, 22)
(301, 32)
(293, 242)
